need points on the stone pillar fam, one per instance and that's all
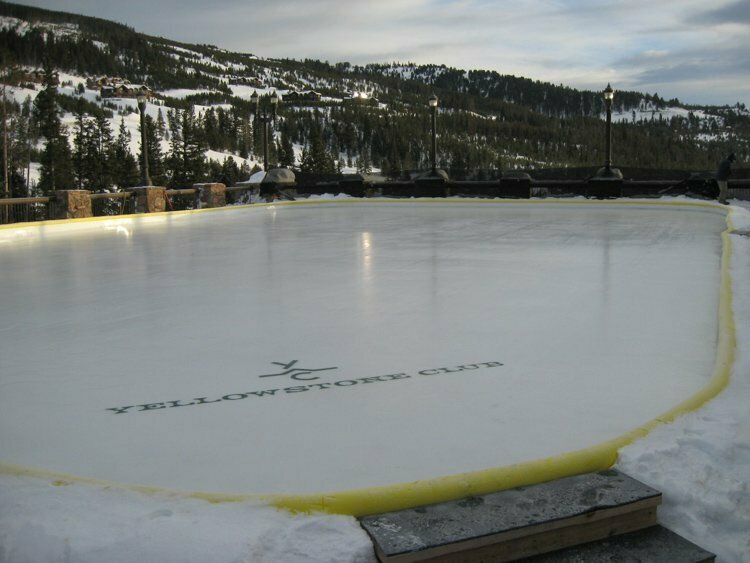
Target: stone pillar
(354, 187)
(150, 199)
(71, 204)
(278, 182)
(604, 188)
(515, 185)
(432, 184)
(211, 195)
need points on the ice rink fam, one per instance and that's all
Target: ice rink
(299, 348)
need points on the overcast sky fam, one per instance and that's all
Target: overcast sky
(695, 50)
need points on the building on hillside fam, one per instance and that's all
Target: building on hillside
(119, 88)
(26, 77)
(302, 96)
(360, 99)
(244, 81)
(35, 76)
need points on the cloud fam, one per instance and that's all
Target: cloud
(580, 43)
(734, 13)
(695, 70)
(716, 73)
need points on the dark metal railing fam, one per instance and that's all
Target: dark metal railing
(118, 203)
(740, 192)
(24, 210)
(182, 200)
(238, 195)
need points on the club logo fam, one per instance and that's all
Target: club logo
(296, 373)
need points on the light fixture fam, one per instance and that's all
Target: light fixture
(609, 94)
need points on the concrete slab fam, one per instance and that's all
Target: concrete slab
(510, 524)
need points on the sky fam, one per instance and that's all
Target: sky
(694, 50)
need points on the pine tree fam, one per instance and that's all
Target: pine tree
(161, 126)
(285, 151)
(245, 138)
(55, 159)
(15, 134)
(124, 166)
(100, 150)
(230, 172)
(315, 158)
(156, 166)
(210, 132)
(244, 172)
(79, 147)
(364, 162)
(186, 159)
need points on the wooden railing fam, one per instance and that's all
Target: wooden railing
(24, 209)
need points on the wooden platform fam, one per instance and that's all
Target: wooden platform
(652, 545)
(518, 523)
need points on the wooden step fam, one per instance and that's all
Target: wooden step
(517, 523)
(652, 545)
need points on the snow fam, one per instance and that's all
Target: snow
(649, 112)
(19, 95)
(698, 461)
(22, 26)
(701, 462)
(124, 109)
(41, 523)
(181, 93)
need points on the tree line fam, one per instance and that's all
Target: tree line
(90, 155)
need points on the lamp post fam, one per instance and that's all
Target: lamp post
(145, 178)
(607, 182)
(266, 115)
(433, 103)
(607, 172)
(609, 95)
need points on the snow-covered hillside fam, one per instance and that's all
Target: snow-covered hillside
(521, 116)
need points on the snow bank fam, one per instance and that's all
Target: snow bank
(701, 462)
(43, 522)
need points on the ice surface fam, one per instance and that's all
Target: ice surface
(602, 316)
(697, 461)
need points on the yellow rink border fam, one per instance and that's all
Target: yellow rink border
(373, 500)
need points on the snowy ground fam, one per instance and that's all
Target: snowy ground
(700, 462)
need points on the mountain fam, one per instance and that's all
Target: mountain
(333, 116)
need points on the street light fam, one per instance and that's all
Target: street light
(433, 103)
(266, 117)
(607, 171)
(609, 95)
(145, 178)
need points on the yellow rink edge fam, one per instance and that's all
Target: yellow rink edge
(374, 500)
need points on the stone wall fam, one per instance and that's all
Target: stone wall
(71, 204)
(150, 199)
